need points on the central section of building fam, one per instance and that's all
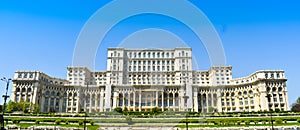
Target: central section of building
(139, 80)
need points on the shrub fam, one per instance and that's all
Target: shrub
(67, 122)
(217, 123)
(247, 122)
(264, 122)
(15, 121)
(285, 121)
(92, 122)
(57, 122)
(118, 109)
(278, 121)
(80, 122)
(298, 120)
(37, 121)
(238, 122)
(255, 122)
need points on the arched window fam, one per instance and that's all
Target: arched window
(274, 89)
(18, 89)
(29, 90)
(245, 92)
(52, 93)
(232, 94)
(268, 89)
(280, 89)
(23, 89)
(58, 94)
(47, 93)
(240, 93)
(250, 92)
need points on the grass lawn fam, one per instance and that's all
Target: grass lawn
(26, 125)
(242, 125)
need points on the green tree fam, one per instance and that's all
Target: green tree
(24, 106)
(11, 106)
(296, 106)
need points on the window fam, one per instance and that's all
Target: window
(20, 75)
(31, 75)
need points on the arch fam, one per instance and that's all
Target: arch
(240, 93)
(70, 94)
(274, 89)
(29, 90)
(65, 94)
(75, 94)
(23, 89)
(17, 89)
(268, 89)
(250, 92)
(227, 94)
(279, 89)
(47, 93)
(232, 94)
(52, 93)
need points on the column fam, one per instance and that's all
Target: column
(195, 101)
(101, 101)
(26, 94)
(134, 101)
(206, 102)
(237, 104)
(168, 100)
(49, 100)
(97, 102)
(140, 100)
(123, 100)
(42, 103)
(212, 100)
(286, 101)
(128, 106)
(162, 101)
(156, 100)
(201, 102)
(90, 103)
(34, 94)
(219, 100)
(77, 103)
(61, 103)
(173, 101)
(115, 99)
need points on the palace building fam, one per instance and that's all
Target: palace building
(141, 79)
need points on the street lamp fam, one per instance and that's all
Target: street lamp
(5, 98)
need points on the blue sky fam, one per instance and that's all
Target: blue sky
(256, 35)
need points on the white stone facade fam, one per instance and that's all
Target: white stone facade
(143, 79)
